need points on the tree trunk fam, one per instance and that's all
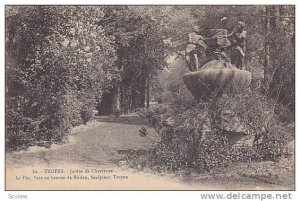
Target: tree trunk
(148, 92)
(105, 104)
(110, 101)
(141, 97)
(274, 11)
(116, 104)
(267, 47)
(275, 47)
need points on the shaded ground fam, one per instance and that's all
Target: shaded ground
(106, 140)
(94, 144)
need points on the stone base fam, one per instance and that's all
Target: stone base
(215, 77)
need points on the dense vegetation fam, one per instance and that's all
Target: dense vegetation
(194, 134)
(200, 136)
(62, 62)
(58, 60)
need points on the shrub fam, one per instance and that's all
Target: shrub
(192, 134)
(54, 71)
(86, 114)
(20, 131)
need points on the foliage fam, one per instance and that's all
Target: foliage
(280, 74)
(59, 60)
(282, 83)
(193, 137)
(62, 61)
(145, 37)
(140, 53)
(86, 114)
(21, 132)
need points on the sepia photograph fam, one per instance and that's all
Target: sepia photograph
(150, 97)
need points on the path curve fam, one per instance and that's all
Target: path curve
(96, 146)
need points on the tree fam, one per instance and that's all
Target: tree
(59, 61)
(145, 37)
(282, 55)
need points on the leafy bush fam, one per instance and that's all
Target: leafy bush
(193, 134)
(20, 131)
(86, 114)
(58, 60)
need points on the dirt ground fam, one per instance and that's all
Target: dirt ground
(101, 144)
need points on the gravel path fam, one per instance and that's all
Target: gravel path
(98, 145)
